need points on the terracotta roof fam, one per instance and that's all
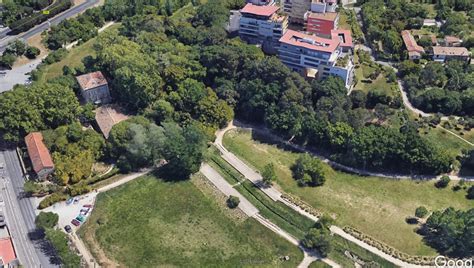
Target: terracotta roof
(107, 116)
(7, 253)
(323, 16)
(410, 42)
(39, 154)
(451, 39)
(344, 36)
(309, 41)
(450, 51)
(91, 80)
(265, 11)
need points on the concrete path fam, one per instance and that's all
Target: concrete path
(372, 249)
(220, 134)
(223, 186)
(249, 209)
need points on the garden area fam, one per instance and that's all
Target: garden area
(151, 222)
(375, 206)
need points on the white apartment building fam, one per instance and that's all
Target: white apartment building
(318, 57)
(262, 25)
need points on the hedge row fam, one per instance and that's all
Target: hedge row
(300, 203)
(39, 17)
(418, 260)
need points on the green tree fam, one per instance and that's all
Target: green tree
(269, 174)
(46, 220)
(60, 242)
(443, 182)
(308, 170)
(319, 239)
(421, 212)
(470, 193)
(32, 52)
(233, 201)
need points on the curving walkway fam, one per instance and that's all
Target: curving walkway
(243, 168)
(248, 208)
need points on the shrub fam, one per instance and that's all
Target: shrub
(32, 52)
(233, 201)
(443, 182)
(318, 239)
(421, 212)
(49, 200)
(46, 220)
(411, 220)
(470, 193)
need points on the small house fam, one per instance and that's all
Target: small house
(94, 88)
(39, 155)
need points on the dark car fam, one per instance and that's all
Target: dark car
(68, 228)
(88, 206)
(75, 222)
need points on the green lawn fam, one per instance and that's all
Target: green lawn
(73, 59)
(375, 206)
(291, 221)
(150, 223)
(446, 141)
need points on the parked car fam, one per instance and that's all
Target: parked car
(84, 212)
(80, 218)
(75, 222)
(76, 200)
(69, 201)
(88, 206)
(68, 228)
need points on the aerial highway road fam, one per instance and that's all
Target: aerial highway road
(20, 213)
(45, 25)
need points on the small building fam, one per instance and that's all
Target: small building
(321, 23)
(39, 155)
(443, 54)
(262, 25)
(107, 116)
(452, 41)
(414, 50)
(94, 88)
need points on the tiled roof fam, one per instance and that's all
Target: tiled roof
(451, 39)
(91, 80)
(39, 154)
(450, 51)
(107, 116)
(410, 42)
(309, 41)
(344, 36)
(7, 253)
(265, 11)
(323, 16)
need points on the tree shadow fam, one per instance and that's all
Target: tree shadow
(39, 239)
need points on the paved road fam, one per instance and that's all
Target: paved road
(20, 214)
(45, 25)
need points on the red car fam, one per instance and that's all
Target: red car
(75, 222)
(87, 206)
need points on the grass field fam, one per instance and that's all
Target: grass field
(375, 206)
(73, 59)
(150, 223)
(291, 221)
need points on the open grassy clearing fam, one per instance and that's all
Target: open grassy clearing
(73, 59)
(291, 221)
(150, 223)
(375, 206)
(446, 141)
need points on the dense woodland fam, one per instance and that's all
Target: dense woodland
(14, 10)
(438, 88)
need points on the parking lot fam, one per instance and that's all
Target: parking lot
(68, 212)
(18, 75)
